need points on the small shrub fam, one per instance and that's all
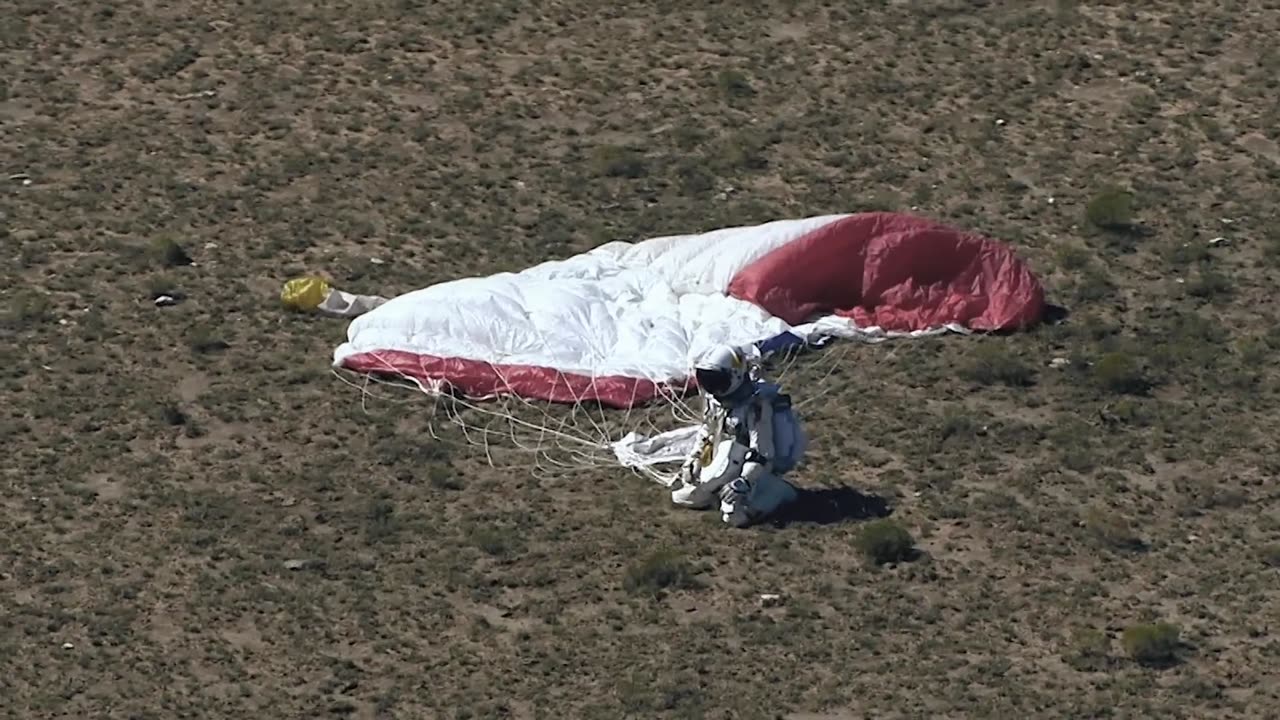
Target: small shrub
(660, 570)
(444, 477)
(1112, 530)
(496, 541)
(1071, 257)
(734, 84)
(382, 523)
(161, 285)
(1088, 652)
(173, 415)
(1187, 253)
(1093, 285)
(170, 253)
(1271, 555)
(1119, 372)
(25, 309)
(991, 364)
(202, 340)
(1151, 643)
(615, 161)
(885, 541)
(1211, 284)
(693, 177)
(1111, 209)
(742, 151)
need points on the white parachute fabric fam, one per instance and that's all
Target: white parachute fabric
(643, 310)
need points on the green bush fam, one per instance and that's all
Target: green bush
(615, 161)
(734, 83)
(1120, 373)
(1088, 651)
(1151, 643)
(885, 541)
(169, 252)
(1111, 209)
(1112, 530)
(1271, 555)
(659, 571)
(992, 364)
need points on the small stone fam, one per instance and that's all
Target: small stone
(67, 646)
(294, 564)
(166, 300)
(770, 599)
(1059, 362)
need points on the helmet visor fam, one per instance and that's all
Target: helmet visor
(715, 382)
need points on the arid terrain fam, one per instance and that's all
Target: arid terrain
(200, 519)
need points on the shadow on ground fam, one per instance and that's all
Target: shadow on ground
(828, 506)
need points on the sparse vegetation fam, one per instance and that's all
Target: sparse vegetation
(615, 161)
(658, 571)
(992, 364)
(198, 514)
(1120, 372)
(1151, 643)
(170, 253)
(884, 541)
(1111, 209)
(1271, 555)
(1089, 651)
(1112, 530)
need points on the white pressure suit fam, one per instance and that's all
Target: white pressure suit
(736, 456)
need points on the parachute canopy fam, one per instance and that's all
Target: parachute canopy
(624, 322)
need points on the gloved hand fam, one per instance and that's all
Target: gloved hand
(689, 472)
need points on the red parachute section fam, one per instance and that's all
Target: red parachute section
(898, 272)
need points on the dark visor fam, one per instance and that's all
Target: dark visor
(713, 381)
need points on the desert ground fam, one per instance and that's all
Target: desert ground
(201, 520)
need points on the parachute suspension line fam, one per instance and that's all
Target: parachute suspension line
(543, 429)
(538, 452)
(836, 354)
(576, 440)
(597, 356)
(436, 391)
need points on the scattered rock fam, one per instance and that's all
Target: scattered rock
(1218, 241)
(295, 564)
(166, 300)
(1058, 363)
(770, 600)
